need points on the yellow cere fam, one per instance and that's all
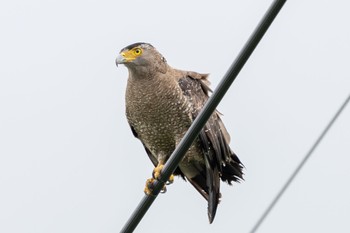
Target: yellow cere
(132, 54)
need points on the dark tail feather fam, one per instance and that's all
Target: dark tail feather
(207, 184)
(232, 170)
(213, 184)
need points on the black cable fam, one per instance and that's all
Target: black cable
(302, 163)
(204, 115)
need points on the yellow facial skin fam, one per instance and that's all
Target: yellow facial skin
(131, 54)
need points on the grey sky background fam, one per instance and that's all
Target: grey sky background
(69, 163)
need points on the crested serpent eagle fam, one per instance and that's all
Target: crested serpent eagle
(161, 104)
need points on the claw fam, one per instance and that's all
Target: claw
(150, 185)
(170, 180)
(163, 190)
(156, 176)
(157, 172)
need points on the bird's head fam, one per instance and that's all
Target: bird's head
(140, 57)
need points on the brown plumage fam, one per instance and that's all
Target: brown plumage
(161, 104)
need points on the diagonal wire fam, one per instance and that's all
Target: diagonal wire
(204, 115)
(302, 163)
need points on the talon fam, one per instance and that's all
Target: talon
(163, 190)
(170, 180)
(150, 185)
(157, 172)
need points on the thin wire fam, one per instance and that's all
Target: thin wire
(204, 115)
(302, 163)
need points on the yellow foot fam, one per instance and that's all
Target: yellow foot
(156, 176)
(157, 173)
(150, 185)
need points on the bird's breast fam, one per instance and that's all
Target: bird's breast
(158, 113)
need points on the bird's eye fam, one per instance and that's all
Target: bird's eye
(137, 51)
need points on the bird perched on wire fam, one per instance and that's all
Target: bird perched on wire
(161, 104)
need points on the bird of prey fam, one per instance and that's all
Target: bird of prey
(161, 104)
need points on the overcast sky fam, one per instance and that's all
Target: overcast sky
(69, 162)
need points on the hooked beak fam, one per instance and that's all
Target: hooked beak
(120, 59)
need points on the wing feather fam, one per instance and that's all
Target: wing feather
(220, 161)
